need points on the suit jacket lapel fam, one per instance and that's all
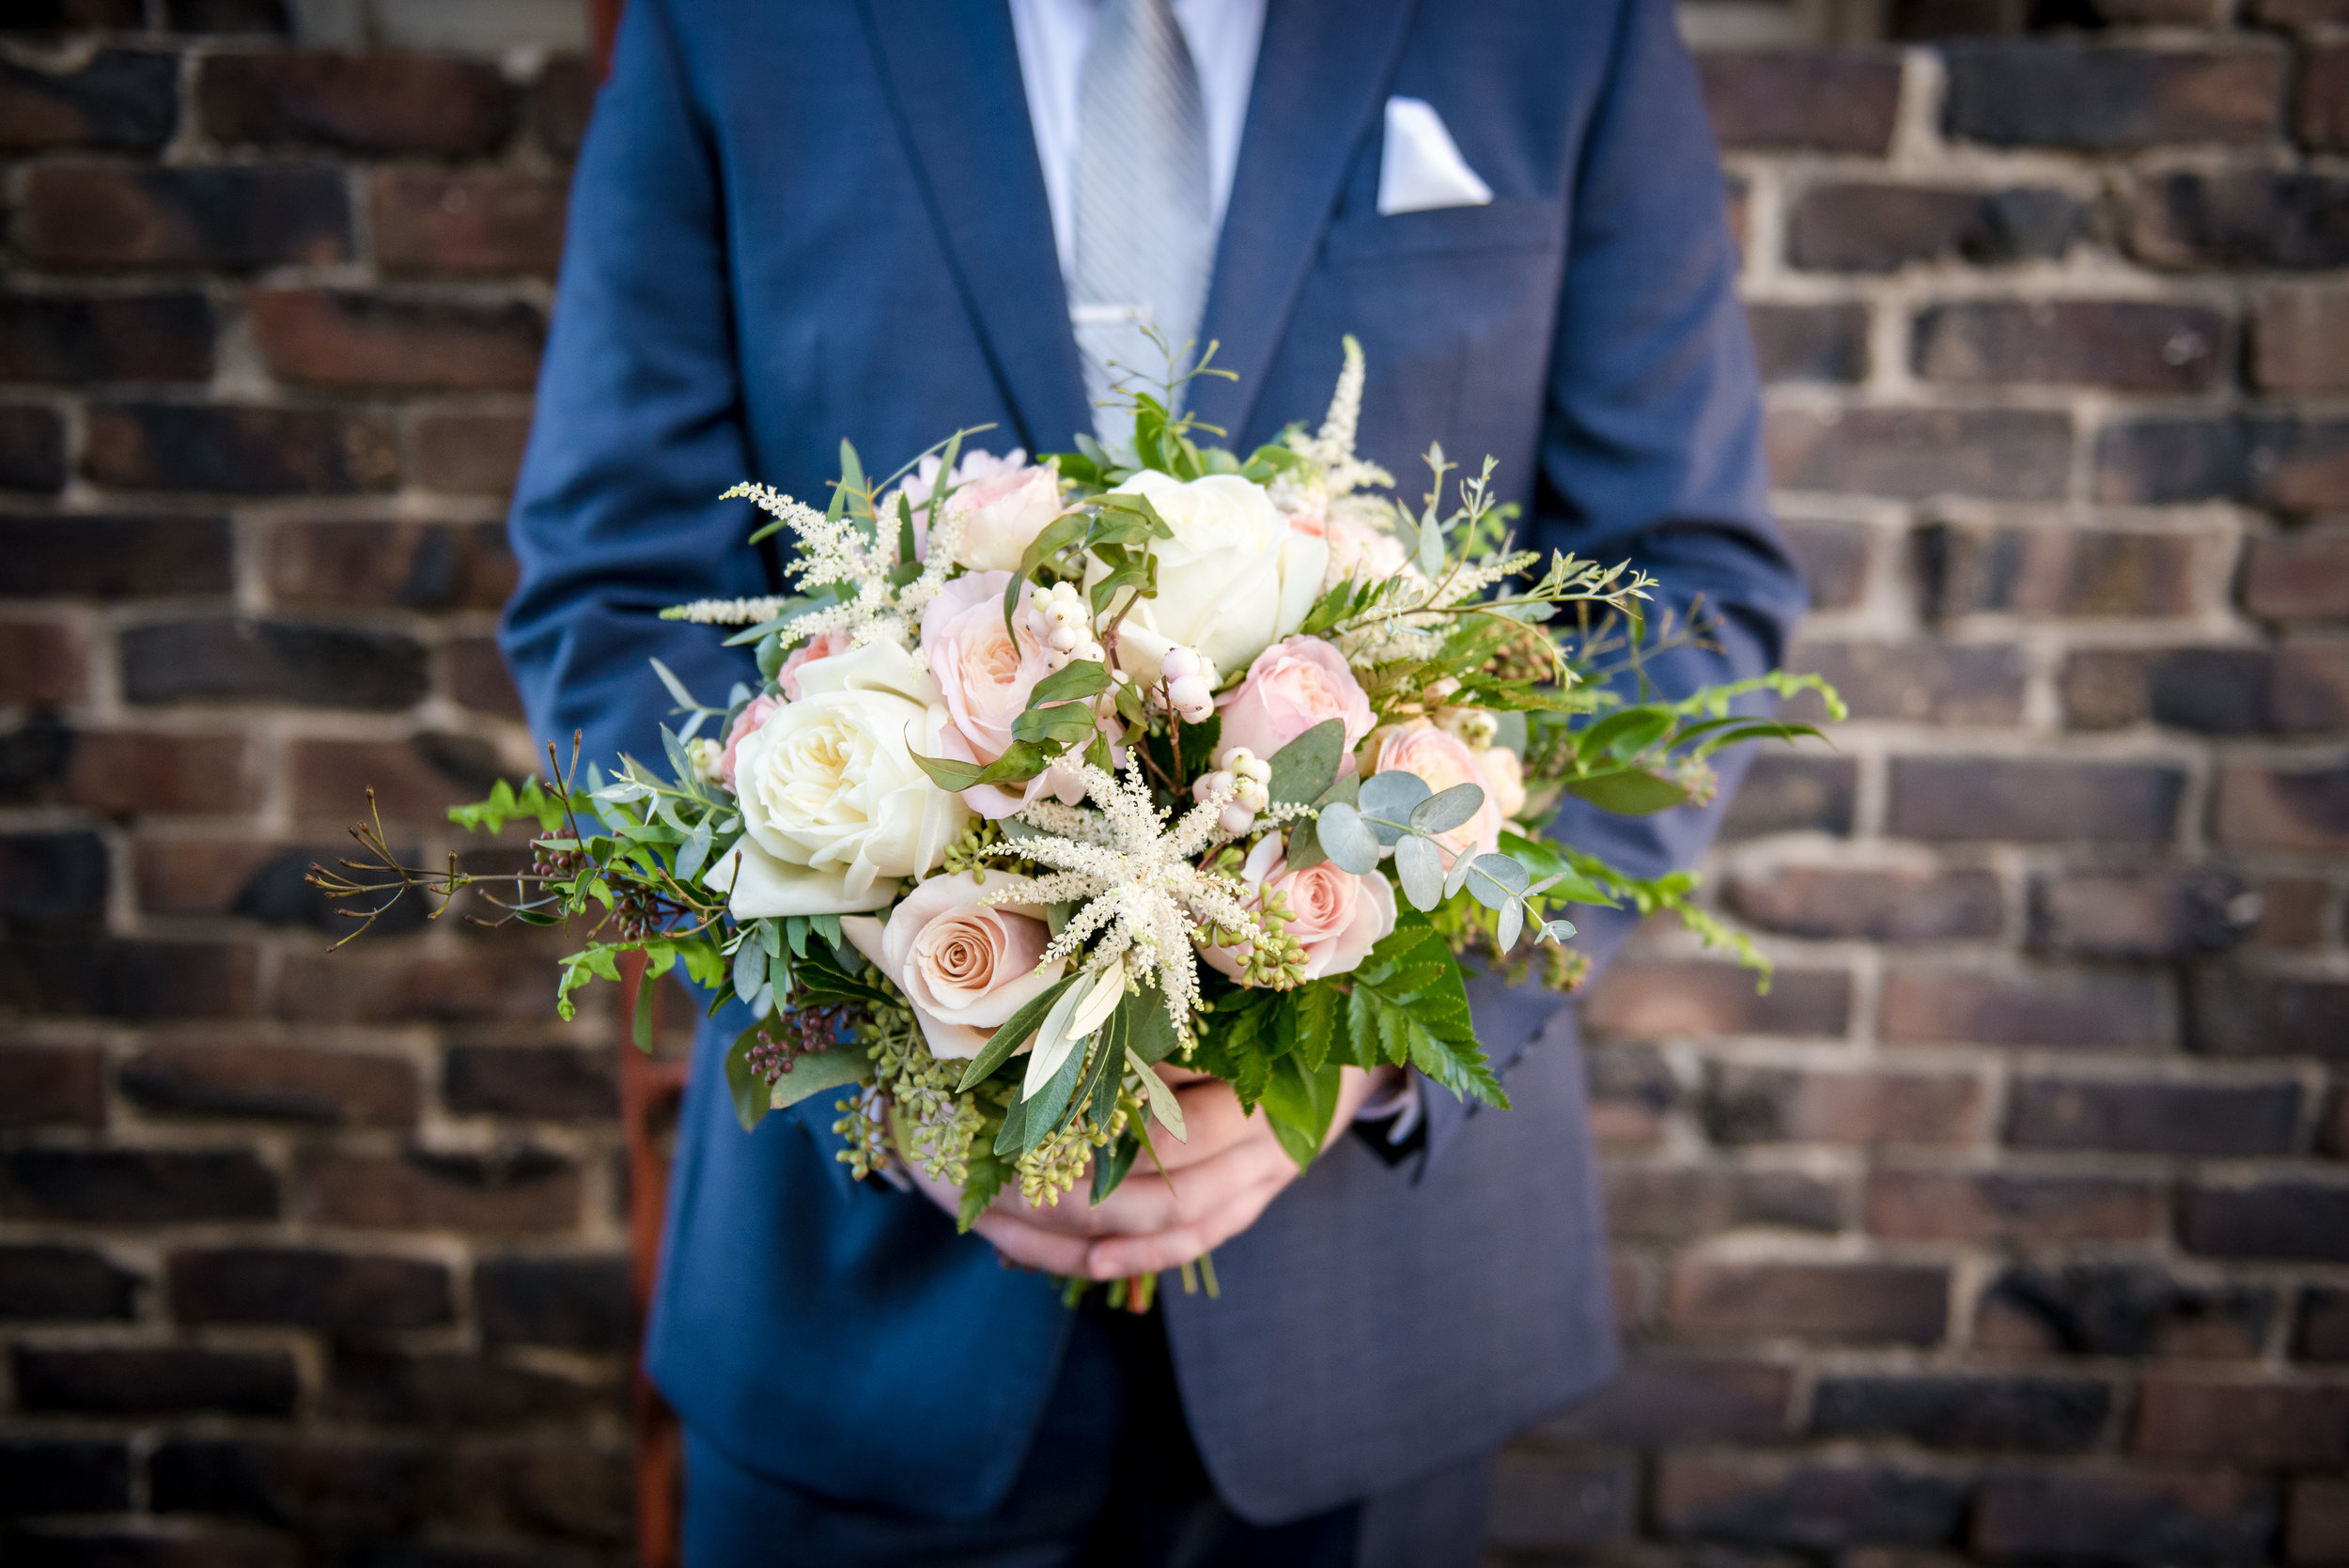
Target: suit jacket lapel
(1321, 85)
(952, 73)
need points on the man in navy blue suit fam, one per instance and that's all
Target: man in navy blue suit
(885, 220)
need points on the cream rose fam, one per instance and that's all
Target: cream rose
(1004, 504)
(1504, 778)
(965, 967)
(1295, 684)
(834, 808)
(1442, 759)
(1234, 578)
(1339, 916)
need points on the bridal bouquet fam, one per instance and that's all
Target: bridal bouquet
(1060, 773)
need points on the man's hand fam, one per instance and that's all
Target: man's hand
(1213, 1187)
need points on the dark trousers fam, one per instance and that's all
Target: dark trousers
(1112, 1480)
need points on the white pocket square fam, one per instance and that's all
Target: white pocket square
(1420, 169)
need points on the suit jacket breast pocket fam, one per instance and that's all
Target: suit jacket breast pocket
(1522, 225)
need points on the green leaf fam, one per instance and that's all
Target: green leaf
(817, 1071)
(1160, 1097)
(1318, 1007)
(1111, 1165)
(1043, 1107)
(647, 1000)
(985, 1175)
(1307, 766)
(1149, 1032)
(1015, 1031)
(1633, 792)
(1023, 761)
(746, 1088)
(1407, 1003)
(1625, 734)
(1064, 723)
(1298, 1103)
(1084, 677)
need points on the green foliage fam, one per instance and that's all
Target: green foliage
(547, 808)
(1406, 1003)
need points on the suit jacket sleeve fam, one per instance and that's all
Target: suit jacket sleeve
(1651, 450)
(638, 428)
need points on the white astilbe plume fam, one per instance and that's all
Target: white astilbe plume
(1334, 472)
(839, 550)
(727, 612)
(1143, 899)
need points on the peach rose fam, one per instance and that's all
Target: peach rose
(1004, 503)
(753, 715)
(983, 677)
(1339, 916)
(1295, 684)
(1504, 778)
(1442, 759)
(965, 967)
(825, 646)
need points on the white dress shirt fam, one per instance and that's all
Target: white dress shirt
(1053, 35)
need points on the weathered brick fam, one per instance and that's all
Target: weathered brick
(2030, 1007)
(377, 101)
(1781, 1105)
(2084, 572)
(53, 878)
(524, 1192)
(1681, 1202)
(135, 1187)
(1810, 343)
(1784, 794)
(577, 1303)
(2231, 691)
(416, 780)
(177, 1381)
(74, 1546)
(105, 337)
(2298, 333)
(450, 1390)
(2279, 1219)
(2295, 465)
(2150, 914)
(340, 1489)
(344, 1292)
(565, 98)
(219, 660)
(1997, 454)
(41, 661)
(2309, 688)
(575, 1493)
(2128, 345)
(32, 448)
(2155, 1117)
(129, 978)
(338, 338)
(2264, 808)
(2241, 1012)
(63, 1475)
(291, 1083)
(230, 450)
(2241, 218)
(2037, 1414)
(1896, 1303)
(129, 772)
(542, 1083)
(1651, 997)
(1660, 1399)
(347, 988)
(2318, 1531)
(2205, 1517)
(115, 557)
(1918, 682)
(55, 15)
(2292, 913)
(2060, 94)
(1869, 904)
(1631, 1091)
(2239, 1422)
(2133, 1310)
(114, 98)
(1959, 799)
(239, 216)
(1559, 1502)
(51, 1086)
(1864, 227)
(264, 17)
(2321, 98)
(1805, 1504)
(55, 1281)
(477, 221)
(414, 566)
(470, 454)
(1991, 1206)
(477, 676)
(1832, 102)
(1834, 559)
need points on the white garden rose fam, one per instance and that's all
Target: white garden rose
(1235, 578)
(834, 808)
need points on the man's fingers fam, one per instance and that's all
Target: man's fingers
(1031, 1245)
(1117, 1256)
(1154, 1203)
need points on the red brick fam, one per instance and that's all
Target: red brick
(114, 98)
(2300, 335)
(2278, 1219)
(41, 661)
(377, 102)
(32, 448)
(2061, 571)
(1996, 454)
(2292, 912)
(130, 773)
(1970, 1205)
(573, 1493)
(479, 679)
(258, 18)
(1680, 1203)
(2264, 808)
(2322, 97)
(2201, 1517)
(2246, 1011)
(1784, 794)
(2261, 1423)
(130, 978)
(328, 1487)
(560, 108)
(2061, 94)
(470, 454)
(57, 1283)
(1869, 904)
(181, 1380)
(2322, 1335)
(412, 565)
(2032, 1413)
(1810, 343)
(340, 1291)
(2128, 345)
(1917, 683)
(2176, 1118)
(339, 339)
(428, 221)
(135, 1187)
(217, 660)
(1559, 1502)
(2332, 1131)
(2241, 218)
(1899, 1303)
(1831, 102)
(1807, 1504)
(530, 1193)
(539, 1082)
(2033, 1007)
(83, 556)
(1780, 1104)
(249, 450)
(2302, 575)
(289, 1083)
(1650, 997)
(455, 1392)
(244, 216)
(2122, 1309)
(105, 337)
(2033, 801)
(2153, 914)
(2318, 1532)
(1834, 559)
(1660, 1399)
(349, 987)
(1870, 227)
(51, 1086)
(415, 781)
(193, 875)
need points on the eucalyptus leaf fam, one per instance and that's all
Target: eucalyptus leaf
(750, 967)
(1347, 840)
(1495, 880)
(1420, 864)
(1441, 813)
(1512, 924)
(1392, 795)
(1306, 767)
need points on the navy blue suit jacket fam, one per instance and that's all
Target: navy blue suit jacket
(797, 222)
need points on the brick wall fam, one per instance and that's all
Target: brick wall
(2013, 1222)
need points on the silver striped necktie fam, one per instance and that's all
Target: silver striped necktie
(1144, 244)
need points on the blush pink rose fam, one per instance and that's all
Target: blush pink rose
(1504, 778)
(1442, 759)
(1004, 503)
(753, 715)
(1339, 916)
(964, 967)
(1293, 685)
(807, 653)
(984, 676)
